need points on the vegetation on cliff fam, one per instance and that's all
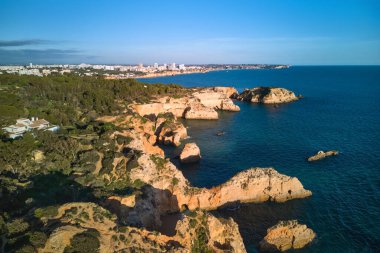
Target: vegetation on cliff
(67, 168)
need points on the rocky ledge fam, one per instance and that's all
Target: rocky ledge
(321, 154)
(287, 235)
(267, 95)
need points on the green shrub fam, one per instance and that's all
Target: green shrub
(200, 243)
(26, 249)
(84, 242)
(47, 212)
(17, 226)
(158, 161)
(37, 239)
(123, 140)
(138, 184)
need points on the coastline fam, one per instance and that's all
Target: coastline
(170, 73)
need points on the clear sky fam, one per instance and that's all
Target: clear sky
(298, 32)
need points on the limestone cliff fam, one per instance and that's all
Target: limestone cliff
(190, 153)
(287, 235)
(195, 231)
(164, 189)
(254, 185)
(202, 103)
(267, 95)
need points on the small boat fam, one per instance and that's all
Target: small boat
(220, 133)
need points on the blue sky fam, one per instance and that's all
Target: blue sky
(298, 32)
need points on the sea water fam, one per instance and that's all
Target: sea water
(340, 111)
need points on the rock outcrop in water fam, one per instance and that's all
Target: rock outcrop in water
(267, 95)
(321, 154)
(165, 190)
(199, 104)
(287, 235)
(253, 185)
(190, 153)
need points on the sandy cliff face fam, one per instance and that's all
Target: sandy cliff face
(194, 231)
(228, 91)
(203, 232)
(287, 235)
(200, 104)
(253, 185)
(267, 95)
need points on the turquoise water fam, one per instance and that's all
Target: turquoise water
(341, 110)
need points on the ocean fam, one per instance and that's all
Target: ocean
(340, 111)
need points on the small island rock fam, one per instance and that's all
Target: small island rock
(321, 154)
(190, 153)
(267, 95)
(287, 235)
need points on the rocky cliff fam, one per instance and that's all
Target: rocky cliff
(267, 95)
(201, 103)
(87, 226)
(287, 235)
(164, 189)
(253, 185)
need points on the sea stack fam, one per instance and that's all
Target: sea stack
(267, 95)
(190, 153)
(321, 154)
(287, 235)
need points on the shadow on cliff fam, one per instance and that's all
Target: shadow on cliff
(254, 219)
(44, 190)
(152, 209)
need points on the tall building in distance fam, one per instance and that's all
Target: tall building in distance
(172, 66)
(155, 65)
(31, 65)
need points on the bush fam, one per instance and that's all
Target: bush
(17, 226)
(84, 242)
(200, 243)
(37, 239)
(123, 140)
(47, 212)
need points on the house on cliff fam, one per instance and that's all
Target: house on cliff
(24, 125)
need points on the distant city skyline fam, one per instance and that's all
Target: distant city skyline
(295, 32)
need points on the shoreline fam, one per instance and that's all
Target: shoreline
(171, 74)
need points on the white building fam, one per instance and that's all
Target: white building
(24, 125)
(172, 66)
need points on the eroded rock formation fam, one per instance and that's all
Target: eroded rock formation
(321, 154)
(190, 153)
(287, 235)
(200, 104)
(267, 95)
(164, 189)
(195, 231)
(253, 185)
